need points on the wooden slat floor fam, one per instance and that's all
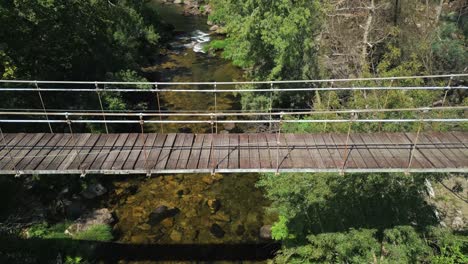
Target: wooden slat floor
(232, 153)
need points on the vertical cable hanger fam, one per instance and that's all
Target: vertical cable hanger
(43, 107)
(142, 129)
(75, 140)
(278, 142)
(102, 108)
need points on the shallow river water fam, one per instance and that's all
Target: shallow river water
(207, 209)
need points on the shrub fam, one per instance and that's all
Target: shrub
(96, 233)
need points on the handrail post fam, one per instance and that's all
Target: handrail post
(216, 106)
(156, 90)
(271, 105)
(102, 108)
(212, 117)
(43, 106)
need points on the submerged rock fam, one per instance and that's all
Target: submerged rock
(217, 231)
(176, 236)
(97, 217)
(160, 213)
(221, 217)
(214, 205)
(265, 232)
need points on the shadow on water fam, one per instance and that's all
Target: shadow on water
(16, 250)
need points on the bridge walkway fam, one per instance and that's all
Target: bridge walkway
(127, 153)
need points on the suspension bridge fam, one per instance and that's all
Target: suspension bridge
(60, 150)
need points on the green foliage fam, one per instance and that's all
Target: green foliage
(449, 47)
(273, 40)
(96, 233)
(73, 260)
(43, 230)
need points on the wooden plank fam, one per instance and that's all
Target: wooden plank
(4, 153)
(418, 156)
(125, 151)
(135, 152)
(349, 158)
(330, 155)
(234, 150)
(440, 155)
(298, 154)
(105, 151)
(365, 153)
(143, 159)
(44, 153)
(205, 152)
(400, 148)
(82, 149)
(458, 139)
(281, 158)
(33, 153)
(254, 153)
(68, 151)
(185, 153)
(316, 159)
(21, 150)
(244, 158)
(114, 152)
(462, 136)
(427, 153)
(4, 142)
(175, 154)
(223, 159)
(380, 153)
(155, 145)
(456, 146)
(165, 152)
(94, 152)
(451, 153)
(215, 152)
(55, 153)
(265, 157)
(195, 154)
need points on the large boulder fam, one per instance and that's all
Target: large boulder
(97, 217)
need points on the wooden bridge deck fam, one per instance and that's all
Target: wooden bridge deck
(229, 153)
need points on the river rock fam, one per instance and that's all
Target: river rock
(207, 179)
(160, 213)
(265, 232)
(214, 28)
(217, 231)
(214, 205)
(178, 2)
(176, 236)
(458, 223)
(97, 217)
(221, 217)
(93, 191)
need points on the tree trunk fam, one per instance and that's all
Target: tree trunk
(365, 39)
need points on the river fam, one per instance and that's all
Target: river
(208, 209)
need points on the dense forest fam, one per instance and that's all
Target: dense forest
(321, 218)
